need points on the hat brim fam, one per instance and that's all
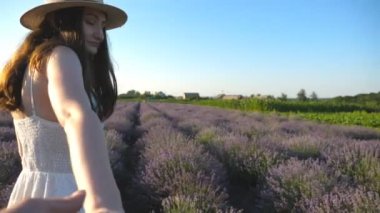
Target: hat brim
(34, 17)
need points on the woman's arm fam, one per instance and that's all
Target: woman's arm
(86, 139)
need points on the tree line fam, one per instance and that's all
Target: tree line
(365, 99)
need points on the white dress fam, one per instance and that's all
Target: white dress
(46, 167)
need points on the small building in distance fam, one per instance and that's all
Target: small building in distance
(232, 97)
(179, 97)
(220, 96)
(191, 95)
(228, 97)
(264, 97)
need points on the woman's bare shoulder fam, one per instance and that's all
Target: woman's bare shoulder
(61, 49)
(63, 53)
(63, 58)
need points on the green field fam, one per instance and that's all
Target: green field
(360, 118)
(365, 114)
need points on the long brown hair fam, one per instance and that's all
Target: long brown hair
(63, 27)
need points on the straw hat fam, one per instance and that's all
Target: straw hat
(33, 18)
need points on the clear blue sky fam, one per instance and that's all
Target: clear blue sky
(243, 47)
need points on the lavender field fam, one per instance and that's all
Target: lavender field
(185, 158)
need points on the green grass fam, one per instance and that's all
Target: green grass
(324, 111)
(359, 118)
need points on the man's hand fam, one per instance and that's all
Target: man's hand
(72, 203)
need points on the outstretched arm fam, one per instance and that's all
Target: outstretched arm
(69, 204)
(86, 139)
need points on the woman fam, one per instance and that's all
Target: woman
(59, 87)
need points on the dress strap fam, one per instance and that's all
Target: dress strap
(31, 93)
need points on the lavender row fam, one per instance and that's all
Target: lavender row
(174, 173)
(10, 160)
(310, 186)
(121, 130)
(277, 163)
(293, 161)
(7, 132)
(10, 167)
(5, 119)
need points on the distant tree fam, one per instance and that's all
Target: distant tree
(130, 94)
(147, 94)
(301, 95)
(133, 93)
(283, 97)
(314, 96)
(159, 95)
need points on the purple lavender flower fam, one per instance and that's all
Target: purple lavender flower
(10, 168)
(358, 160)
(5, 119)
(343, 199)
(171, 164)
(289, 183)
(7, 134)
